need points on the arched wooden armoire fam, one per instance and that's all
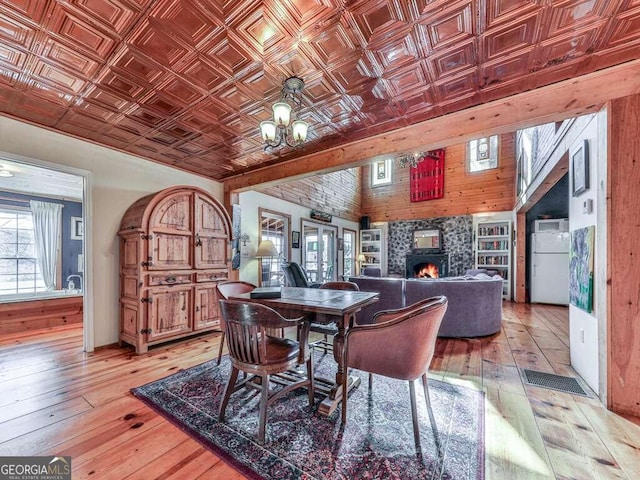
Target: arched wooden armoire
(174, 248)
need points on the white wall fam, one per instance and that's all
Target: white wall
(117, 180)
(586, 330)
(250, 202)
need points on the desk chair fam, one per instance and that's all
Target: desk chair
(255, 352)
(226, 290)
(296, 276)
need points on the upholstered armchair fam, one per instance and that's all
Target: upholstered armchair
(399, 344)
(254, 351)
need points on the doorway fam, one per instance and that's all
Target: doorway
(47, 204)
(319, 251)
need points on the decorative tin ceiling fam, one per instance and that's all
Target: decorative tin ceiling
(186, 82)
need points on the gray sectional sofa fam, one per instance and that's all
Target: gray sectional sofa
(475, 302)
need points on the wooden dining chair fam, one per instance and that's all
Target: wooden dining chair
(330, 328)
(254, 351)
(399, 344)
(226, 290)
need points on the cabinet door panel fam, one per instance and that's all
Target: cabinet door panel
(172, 214)
(129, 314)
(206, 307)
(130, 252)
(211, 235)
(211, 253)
(169, 312)
(170, 251)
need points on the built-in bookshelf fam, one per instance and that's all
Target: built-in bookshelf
(373, 248)
(493, 250)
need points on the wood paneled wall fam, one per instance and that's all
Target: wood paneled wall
(338, 193)
(38, 314)
(464, 192)
(623, 178)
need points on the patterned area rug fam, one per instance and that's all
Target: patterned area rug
(376, 443)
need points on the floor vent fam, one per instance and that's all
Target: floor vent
(554, 382)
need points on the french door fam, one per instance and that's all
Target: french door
(319, 251)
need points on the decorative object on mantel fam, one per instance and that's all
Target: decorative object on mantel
(322, 216)
(276, 133)
(427, 177)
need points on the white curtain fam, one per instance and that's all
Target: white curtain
(47, 224)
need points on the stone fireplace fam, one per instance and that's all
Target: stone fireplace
(457, 245)
(427, 265)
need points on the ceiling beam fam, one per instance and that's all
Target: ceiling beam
(551, 103)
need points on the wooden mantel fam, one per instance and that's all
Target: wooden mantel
(578, 96)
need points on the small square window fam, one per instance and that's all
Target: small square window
(482, 154)
(381, 172)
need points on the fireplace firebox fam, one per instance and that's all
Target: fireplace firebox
(427, 265)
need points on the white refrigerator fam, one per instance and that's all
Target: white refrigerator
(550, 267)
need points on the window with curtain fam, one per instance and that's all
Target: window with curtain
(275, 227)
(348, 253)
(19, 270)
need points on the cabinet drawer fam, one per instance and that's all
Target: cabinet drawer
(212, 276)
(169, 279)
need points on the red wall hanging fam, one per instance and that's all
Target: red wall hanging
(427, 179)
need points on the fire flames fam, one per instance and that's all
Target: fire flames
(428, 271)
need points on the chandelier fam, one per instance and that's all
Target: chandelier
(281, 130)
(413, 159)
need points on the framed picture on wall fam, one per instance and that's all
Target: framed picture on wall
(580, 168)
(77, 229)
(295, 239)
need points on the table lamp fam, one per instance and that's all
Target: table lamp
(361, 259)
(267, 249)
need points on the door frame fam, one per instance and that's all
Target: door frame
(320, 226)
(88, 326)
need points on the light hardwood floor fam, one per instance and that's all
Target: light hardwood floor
(54, 399)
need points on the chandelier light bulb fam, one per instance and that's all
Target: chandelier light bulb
(268, 130)
(299, 129)
(282, 114)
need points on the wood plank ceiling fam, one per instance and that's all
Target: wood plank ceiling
(186, 82)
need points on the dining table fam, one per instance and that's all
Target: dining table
(321, 306)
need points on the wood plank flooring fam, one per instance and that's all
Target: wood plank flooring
(55, 399)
